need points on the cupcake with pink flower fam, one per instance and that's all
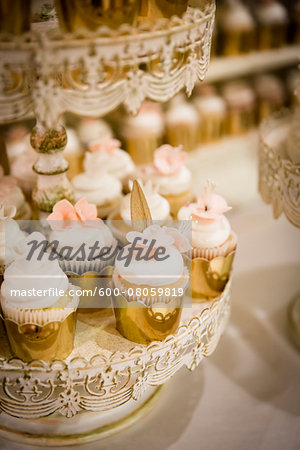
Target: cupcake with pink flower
(77, 231)
(106, 156)
(213, 241)
(170, 175)
(11, 194)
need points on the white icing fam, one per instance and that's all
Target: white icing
(152, 272)
(206, 234)
(182, 113)
(171, 184)
(21, 169)
(269, 87)
(150, 123)
(11, 238)
(210, 104)
(24, 275)
(238, 94)
(92, 129)
(159, 207)
(235, 15)
(79, 234)
(119, 164)
(273, 13)
(15, 197)
(97, 189)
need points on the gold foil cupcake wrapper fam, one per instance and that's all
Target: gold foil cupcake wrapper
(143, 324)
(210, 277)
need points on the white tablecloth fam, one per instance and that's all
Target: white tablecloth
(247, 395)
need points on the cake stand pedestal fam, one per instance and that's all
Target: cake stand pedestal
(279, 185)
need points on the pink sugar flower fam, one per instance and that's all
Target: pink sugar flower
(169, 160)
(106, 145)
(64, 211)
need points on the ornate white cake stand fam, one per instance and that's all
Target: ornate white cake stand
(279, 184)
(106, 383)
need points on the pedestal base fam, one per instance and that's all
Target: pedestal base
(85, 427)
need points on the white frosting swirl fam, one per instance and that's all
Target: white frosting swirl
(92, 129)
(10, 238)
(151, 272)
(235, 15)
(273, 13)
(26, 275)
(79, 234)
(182, 113)
(206, 234)
(96, 189)
(119, 164)
(158, 205)
(168, 184)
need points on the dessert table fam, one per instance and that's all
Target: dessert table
(247, 394)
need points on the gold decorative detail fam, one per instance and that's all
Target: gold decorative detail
(140, 212)
(209, 278)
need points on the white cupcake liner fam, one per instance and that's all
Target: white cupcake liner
(81, 267)
(39, 316)
(213, 252)
(149, 301)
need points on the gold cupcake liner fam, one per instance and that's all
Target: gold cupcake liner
(240, 121)
(212, 127)
(144, 320)
(141, 148)
(92, 289)
(271, 36)
(44, 334)
(235, 42)
(187, 135)
(178, 200)
(211, 269)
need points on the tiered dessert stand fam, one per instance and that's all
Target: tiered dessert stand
(279, 180)
(107, 380)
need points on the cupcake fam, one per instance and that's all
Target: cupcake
(212, 111)
(272, 18)
(104, 191)
(73, 154)
(270, 95)
(151, 288)
(106, 156)
(10, 235)
(91, 15)
(183, 126)
(240, 101)
(120, 221)
(21, 170)
(91, 129)
(11, 194)
(236, 28)
(78, 228)
(213, 242)
(170, 175)
(143, 133)
(17, 141)
(39, 309)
